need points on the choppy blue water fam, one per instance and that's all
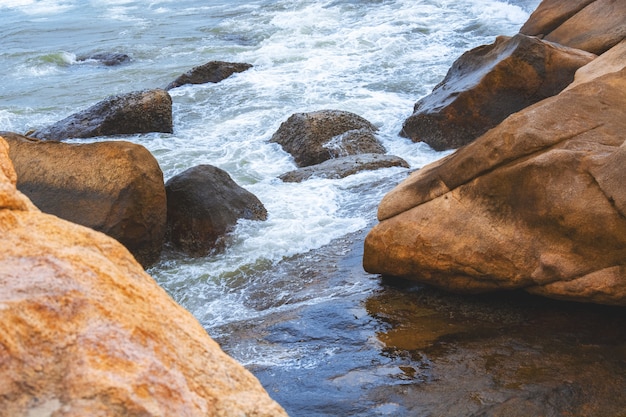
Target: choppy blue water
(371, 57)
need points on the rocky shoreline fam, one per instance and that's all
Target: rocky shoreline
(532, 200)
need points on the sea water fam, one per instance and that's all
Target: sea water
(375, 58)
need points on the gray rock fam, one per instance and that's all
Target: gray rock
(345, 166)
(211, 72)
(203, 205)
(125, 114)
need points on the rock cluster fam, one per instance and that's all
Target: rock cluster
(85, 331)
(537, 202)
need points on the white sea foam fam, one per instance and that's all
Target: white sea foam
(371, 58)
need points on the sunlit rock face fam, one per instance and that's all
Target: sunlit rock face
(536, 203)
(114, 187)
(591, 25)
(84, 331)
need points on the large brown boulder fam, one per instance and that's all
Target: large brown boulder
(595, 27)
(487, 84)
(84, 331)
(211, 72)
(315, 137)
(537, 203)
(137, 112)
(114, 187)
(203, 205)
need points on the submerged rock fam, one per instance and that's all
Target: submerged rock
(113, 187)
(125, 114)
(109, 59)
(489, 83)
(203, 205)
(84, 331)
(536, 203)
(315, 137)
(345, 166)
(211, 72)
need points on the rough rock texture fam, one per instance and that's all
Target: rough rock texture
(611, 61)
(211, 72)
(124, 114)
(312, 138)
(550, 14)
(487, 84)
(342, 167)
(84, 331)
(536, 203)
(203, 205)
(114, 187)
(596, 28)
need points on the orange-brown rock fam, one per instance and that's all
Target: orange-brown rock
(84, 331)
(114, 187)
(594, 26)
(487, 84)
(537, 203)
(612, 60)
(550, 14)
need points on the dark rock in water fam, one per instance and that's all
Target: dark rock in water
(211, 72)
(125, 114)
(203, 205)
(114, 187)
(342, 167)
(109, 59)
(489, 83)
(312, 138)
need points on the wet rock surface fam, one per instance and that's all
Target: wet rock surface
(315, 137)
(203, 205)
(392, 347)
(124, 114)
(211, 72)
(489, 83)
(342, 167)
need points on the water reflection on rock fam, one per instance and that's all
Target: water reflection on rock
(331, 340)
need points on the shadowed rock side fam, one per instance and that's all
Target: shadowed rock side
(315, 137)
(84, 331)
(203, 205)
(343, 167)
(536, 203)
(114, 187)
(137, 112)
(594, 26)
(487, 84)
(211, 72)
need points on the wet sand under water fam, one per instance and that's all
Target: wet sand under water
(392, 347)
